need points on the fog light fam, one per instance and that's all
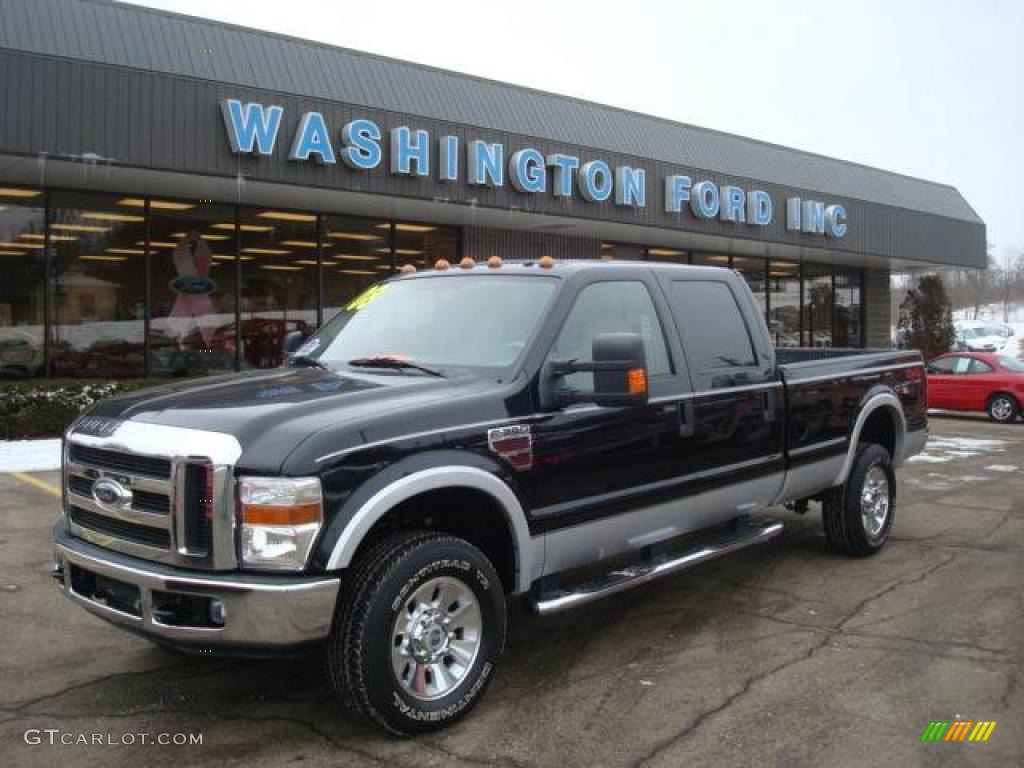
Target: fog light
(217, 612)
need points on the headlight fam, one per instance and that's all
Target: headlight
(280, 518)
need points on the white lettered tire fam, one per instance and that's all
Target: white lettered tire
(418, 633)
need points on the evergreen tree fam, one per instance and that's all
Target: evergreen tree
(927, 316)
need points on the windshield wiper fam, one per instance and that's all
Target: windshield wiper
(303, 361)
(394, 363)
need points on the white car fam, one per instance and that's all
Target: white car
(991, 337)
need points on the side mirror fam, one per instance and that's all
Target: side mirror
(292, 341)
(619, 365)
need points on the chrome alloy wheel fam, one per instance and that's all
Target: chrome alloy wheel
(874, 502)
(1002, 409)
(436, 637)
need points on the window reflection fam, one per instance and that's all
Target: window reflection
(848, 308)
(753, 271)
(817, 305)
(784, 300)
(423, 244)
(279, 282)
(356, 254)
(192, 263)
(99, 293)
(673, 255)
(22, 259)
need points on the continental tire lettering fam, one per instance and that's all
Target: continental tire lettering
(437, 565)
(452, 709)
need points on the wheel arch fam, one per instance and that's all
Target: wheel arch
(881, 418)
(418, 486)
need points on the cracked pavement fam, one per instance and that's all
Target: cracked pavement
(783, 655)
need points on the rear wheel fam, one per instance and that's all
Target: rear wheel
(1002, 408)
(418, 632)
(858, 515)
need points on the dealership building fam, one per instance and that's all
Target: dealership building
(178, 194)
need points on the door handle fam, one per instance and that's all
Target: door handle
(687, 426)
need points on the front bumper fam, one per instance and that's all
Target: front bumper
(251, 611)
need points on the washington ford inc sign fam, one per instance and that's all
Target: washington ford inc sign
(253, 128)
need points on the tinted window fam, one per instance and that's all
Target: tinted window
(979, 367)
(942, 366)
(714, 331)
(961, 364)
(612, 307)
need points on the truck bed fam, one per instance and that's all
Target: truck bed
(798, 363)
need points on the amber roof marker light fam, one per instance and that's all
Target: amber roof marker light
(467, 262)
(545, 262)
(494, 262)
(441, 265)
(407, 269)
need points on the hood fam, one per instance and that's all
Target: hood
(271, 412)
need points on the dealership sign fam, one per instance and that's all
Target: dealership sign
(253, 128)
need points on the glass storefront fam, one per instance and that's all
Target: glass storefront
(173, 288)
(22, 297)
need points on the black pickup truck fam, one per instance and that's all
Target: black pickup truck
(453, 438)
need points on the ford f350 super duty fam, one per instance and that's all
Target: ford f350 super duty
(456, 438)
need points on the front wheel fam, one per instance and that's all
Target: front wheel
(858, 516)
(418, 632)
(1002, 409)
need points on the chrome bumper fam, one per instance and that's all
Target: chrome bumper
(257, 611)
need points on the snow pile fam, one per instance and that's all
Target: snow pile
(29, 455)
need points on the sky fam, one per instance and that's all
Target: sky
(929, 88)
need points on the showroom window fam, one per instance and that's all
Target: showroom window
(622, 252)
(754, 272)
(784, 303)
(817, 307)
(356, 254)
(99, 285)
(711, 260)
(423, 244)
(849, 310)
(192, 276)
(278, 254)
(671, 255)
(22, 293)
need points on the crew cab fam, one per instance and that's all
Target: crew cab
(454, 438)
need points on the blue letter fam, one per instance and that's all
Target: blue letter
(312, 138)
(677, 192)
(630, 186)
(835, 218)
(485, 164)
(526, 171)
(404, 151)
(793, 214)
(733, 201)
(595, 180)
(564, 166)
(362, 145)
(249, 129)
(759, 208)
(704, 202)
(448, 158)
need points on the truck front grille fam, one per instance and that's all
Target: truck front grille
(140, 534)
(167, 507)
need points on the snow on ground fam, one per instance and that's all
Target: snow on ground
(939, 449)
(29, 455)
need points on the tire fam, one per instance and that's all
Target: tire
(391, 654)
(1002, 408)
(858, 515)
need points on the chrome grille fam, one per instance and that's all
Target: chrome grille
(157, 500)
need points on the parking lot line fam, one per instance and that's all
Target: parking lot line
(35, 481)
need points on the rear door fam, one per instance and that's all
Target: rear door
(736, 410)
(978, 383)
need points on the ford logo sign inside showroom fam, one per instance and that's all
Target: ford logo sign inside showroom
(111, 493)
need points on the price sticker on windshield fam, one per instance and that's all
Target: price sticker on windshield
(362, 301)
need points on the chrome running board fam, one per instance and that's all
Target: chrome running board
(745, 534)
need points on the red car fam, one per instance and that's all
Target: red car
(977, 381)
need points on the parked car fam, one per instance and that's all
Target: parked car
(984, 338)
(977, 381)
(458, 437)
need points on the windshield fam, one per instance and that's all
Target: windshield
(1012, 364)
(461, 321)
(968, 333)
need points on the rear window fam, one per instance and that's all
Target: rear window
(1012, 364)
(712, 326)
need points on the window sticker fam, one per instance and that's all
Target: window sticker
(362, 301)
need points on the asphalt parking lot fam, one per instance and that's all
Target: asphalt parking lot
(781, 655)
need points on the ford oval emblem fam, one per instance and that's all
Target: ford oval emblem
(193, 285)
(111, 493)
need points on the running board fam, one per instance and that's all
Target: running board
(746, 533)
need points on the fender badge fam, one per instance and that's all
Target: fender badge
(514, 444)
